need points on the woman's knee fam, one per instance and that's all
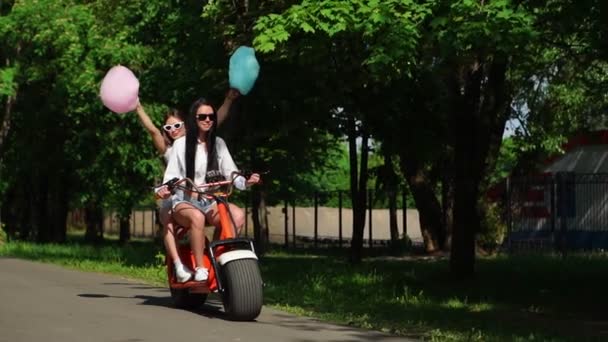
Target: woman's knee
(189, 216)
(164, 215)
(238, 215)
(197, 220)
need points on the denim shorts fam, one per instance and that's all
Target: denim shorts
(204, 204)
(165, 204)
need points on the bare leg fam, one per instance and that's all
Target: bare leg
(237, 214)
(186, 215)
(169, 234)
(239, 217)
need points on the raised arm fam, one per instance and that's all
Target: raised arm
(224, 110)
(157, 138)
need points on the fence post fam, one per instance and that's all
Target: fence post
(111, 224)
(370, 200)
(552, 208)
(404, 213)
(316, 202)
(509, 213)
(143, 217)
(563, 182)
(340, 218)
(293, 223)
(286, 224)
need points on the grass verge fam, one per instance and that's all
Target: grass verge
(526, 298)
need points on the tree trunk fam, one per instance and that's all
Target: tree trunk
(125, 227)
(94, 221)
(447, 204)
(8, 108)
(481, 112)
(58, 215)
(53, 209)
(16, 212)
(260, 224)
(40, 210)
(6, 120)
(10, 219)
(391, 190)
(357, 241)
(429, 209)
(358, 184)
(392, 216)
(259, 211)
(466, 224)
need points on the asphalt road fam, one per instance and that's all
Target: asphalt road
(41, 302)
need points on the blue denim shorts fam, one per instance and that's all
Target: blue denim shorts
(165, 204)
(204, 204)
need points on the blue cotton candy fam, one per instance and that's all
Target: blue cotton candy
(243, 69)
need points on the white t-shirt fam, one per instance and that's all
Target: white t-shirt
(169, 150)
(167, 154)
(176, 165)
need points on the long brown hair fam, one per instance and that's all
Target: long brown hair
(192, 132)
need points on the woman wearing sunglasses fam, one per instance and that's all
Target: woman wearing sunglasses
(162, 139)
(200, 157)
(173, 129)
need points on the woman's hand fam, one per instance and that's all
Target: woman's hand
(253, 179)
(163, 192)
(232, 94)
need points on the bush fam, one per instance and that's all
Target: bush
(493, 228)
(401, 246)
(3, 236)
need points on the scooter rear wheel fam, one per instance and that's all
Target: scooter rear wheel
(183, 299)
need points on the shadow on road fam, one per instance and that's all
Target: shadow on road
(147, 300)
(212, 308)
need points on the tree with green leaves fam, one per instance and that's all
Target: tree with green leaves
(466, 51)
(350, 47)
(63, 143)
(281, 125)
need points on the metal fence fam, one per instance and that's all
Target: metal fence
(562, 211)
(323, 219)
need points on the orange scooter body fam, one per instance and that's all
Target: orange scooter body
(187, 257)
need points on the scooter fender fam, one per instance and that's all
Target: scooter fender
(227, 257)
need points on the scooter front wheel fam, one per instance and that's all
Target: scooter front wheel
(243, 289)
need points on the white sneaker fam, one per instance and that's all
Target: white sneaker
(182, 273)
(201, 274)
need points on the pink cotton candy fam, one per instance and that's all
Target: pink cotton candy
(120, 90)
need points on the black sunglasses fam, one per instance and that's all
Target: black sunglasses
(203, 117)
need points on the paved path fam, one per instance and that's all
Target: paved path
(41, 302)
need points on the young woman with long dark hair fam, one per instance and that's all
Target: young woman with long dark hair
(201, 155)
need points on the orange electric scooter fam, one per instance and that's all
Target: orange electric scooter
(233, 267)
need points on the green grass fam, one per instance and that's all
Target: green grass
(527, 298)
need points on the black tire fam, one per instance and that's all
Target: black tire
(183, 299)
(243, 289)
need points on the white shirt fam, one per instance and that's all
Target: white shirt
(167, 154)
(176, 166)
